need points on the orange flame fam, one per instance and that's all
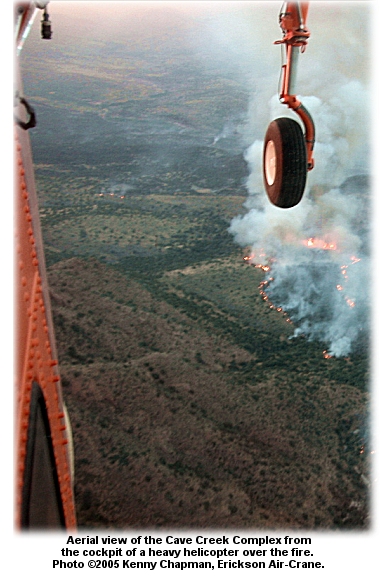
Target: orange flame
(319, 244)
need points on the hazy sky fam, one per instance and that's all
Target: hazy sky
(237, 35)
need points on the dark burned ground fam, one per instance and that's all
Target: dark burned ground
(179, 421)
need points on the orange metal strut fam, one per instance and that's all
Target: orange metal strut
(36, 364)
(44, 496)
(292, 19)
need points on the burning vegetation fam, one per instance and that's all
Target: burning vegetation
(259, 260)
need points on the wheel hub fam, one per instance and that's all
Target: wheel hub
(270, 163)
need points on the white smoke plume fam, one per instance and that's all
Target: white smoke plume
(319, 251)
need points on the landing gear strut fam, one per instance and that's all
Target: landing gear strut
(288, 153)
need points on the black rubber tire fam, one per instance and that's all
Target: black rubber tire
(284, 162)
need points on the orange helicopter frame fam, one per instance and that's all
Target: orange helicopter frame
(44, 495)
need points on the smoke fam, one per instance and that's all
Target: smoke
(318, 252)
